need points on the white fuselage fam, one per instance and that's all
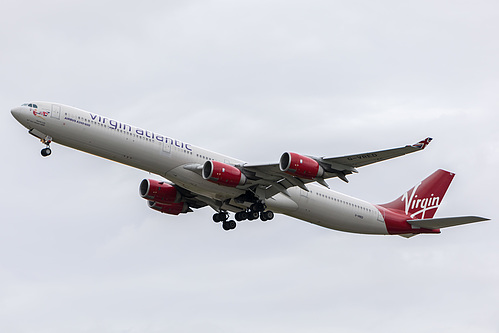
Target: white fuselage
(168, 158)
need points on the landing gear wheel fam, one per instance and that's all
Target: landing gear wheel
(258, 207)
(241, 216)
(267, 216)
(253, 215)
(229, 225)
(220, 217)
(46, 152)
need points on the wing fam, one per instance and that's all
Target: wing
(277, 180)
(359, 160)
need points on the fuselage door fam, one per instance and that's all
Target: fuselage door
(56, 112)
(381, 215)
(167, 147)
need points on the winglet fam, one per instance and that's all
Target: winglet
(423, 143)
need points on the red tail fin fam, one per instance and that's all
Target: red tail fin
(422, 200)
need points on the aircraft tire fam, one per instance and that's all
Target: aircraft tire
(46, 152)
(257, 207)
(269, 215)
(241, 216)
(229, 225)
(253, 215)
(220, 217)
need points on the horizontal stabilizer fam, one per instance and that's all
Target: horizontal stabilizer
(445, 222)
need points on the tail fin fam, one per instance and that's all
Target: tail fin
(423, 200)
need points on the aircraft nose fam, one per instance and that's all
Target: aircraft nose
(16, 112)
(20, 113)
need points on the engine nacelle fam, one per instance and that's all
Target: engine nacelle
(159, 192)
(173, 208)
(300, 166)
(223, 174)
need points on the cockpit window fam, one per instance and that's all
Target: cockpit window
(31, 105)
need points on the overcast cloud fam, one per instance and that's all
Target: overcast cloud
(81, 252)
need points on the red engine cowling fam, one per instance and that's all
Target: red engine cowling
(159, 192)
(173, 208)
(300, 166)
(223, 174)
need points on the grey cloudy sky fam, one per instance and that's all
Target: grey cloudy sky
(81, 252)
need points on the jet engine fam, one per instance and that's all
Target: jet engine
(159, 192)
(223, 174)
(300, 166)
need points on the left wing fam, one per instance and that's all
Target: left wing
(359, 160)
(297, 170)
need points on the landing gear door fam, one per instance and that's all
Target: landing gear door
(56, 111)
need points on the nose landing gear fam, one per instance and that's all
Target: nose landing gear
(46, 151)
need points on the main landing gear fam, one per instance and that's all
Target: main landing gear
(223, 216)
(256, 211)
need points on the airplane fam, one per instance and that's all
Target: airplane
(193, 177)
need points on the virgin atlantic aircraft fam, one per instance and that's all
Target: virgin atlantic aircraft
(194, 177)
